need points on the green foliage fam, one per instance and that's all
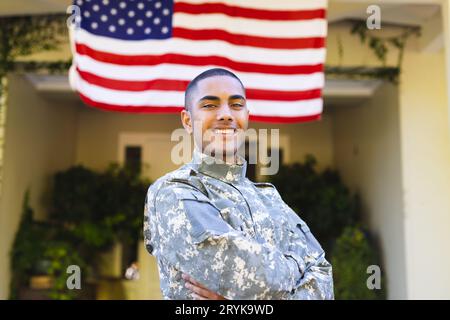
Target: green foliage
(33, 251)
(351, 257)
(332, 213)
(380, 45)
(90, 211)
(50, 67)
(61, 255)
(99, 208)
(321, 199)
(27, 248)
(24, 35)
(390, 74)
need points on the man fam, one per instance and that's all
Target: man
(217, 235)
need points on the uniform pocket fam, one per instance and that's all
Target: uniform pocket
(203, 216)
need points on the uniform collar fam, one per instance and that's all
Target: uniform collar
(217, 168)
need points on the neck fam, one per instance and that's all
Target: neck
(218, 167)
(227, 158)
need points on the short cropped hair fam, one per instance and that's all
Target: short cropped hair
(204, 75)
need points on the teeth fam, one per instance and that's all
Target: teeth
(224, 131)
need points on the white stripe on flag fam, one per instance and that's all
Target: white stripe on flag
(176, 98)
(285, 109)
(267, 5)
(252, 27)
(185, 72)
(203, 48)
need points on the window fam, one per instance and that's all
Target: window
(133, 158)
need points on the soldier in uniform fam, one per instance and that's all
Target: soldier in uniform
(217, 235)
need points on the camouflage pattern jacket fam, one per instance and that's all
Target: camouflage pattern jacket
(236, 237)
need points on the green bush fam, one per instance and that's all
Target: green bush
(61, 255)
(89, 212)
(320, 198)
(98, 209)
(352, 255)
(331, 212)
(36, 251)
(28, 248)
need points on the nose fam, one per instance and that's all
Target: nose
(224, 113)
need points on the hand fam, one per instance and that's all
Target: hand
(200, 292)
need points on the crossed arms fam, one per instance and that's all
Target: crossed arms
(196, 240)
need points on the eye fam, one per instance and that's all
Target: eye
(237, 105)
(208, 106)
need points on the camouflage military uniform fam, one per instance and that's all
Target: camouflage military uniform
(237, 238)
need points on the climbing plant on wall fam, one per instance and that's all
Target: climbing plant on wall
(24, 35)
(380, 45)
(21, 36)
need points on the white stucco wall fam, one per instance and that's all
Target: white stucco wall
(39, 140)
(426, 175)
(424, 131)
(368, 157)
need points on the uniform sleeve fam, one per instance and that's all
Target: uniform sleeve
(196, 240)
(317, 276)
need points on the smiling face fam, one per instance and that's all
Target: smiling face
(217, 115)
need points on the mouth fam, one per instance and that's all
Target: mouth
(227, 131)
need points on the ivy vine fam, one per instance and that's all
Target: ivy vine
(22, 36)
(390, 74)
(25, 35)
(380, 45)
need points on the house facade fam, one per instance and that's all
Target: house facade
(390, 143)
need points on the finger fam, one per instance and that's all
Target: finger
(208, 293)
(185, 276)
(190, 279)
(197, 297)
(193, 281)
(199, 290)
(197, 284)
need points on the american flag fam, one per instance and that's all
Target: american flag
(139, 55)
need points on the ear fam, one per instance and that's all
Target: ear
(186, 120)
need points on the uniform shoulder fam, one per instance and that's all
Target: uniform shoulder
(264, 185)
(184, 178)
(268, 189)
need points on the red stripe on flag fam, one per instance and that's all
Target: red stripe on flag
(251, 41)
(284, 119)
(157, 84)
(175, 110)
(131, 109)
(258, 94)
(261, 14)
(151, 60)
(180, 85)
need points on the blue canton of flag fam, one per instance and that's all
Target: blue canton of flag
(128, 20)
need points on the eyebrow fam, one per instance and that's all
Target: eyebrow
(236, 96)
(209, 98)
(233, 97)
